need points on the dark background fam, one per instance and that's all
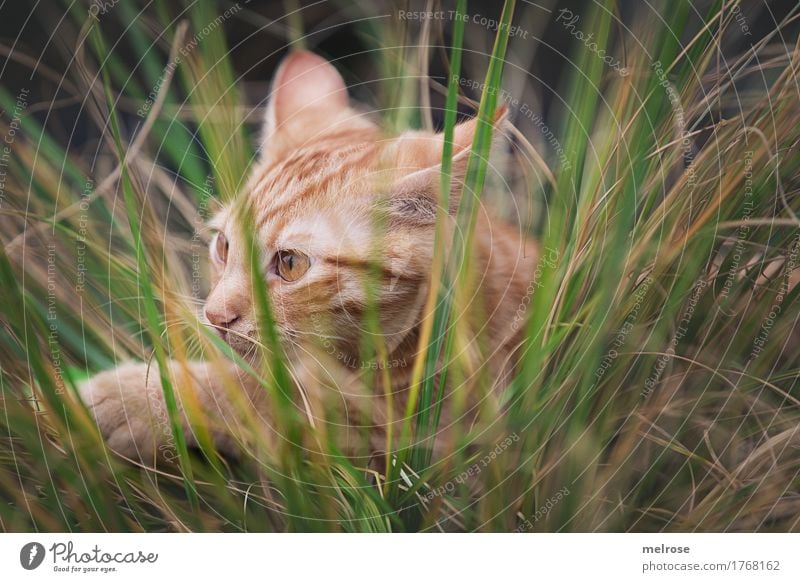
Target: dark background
(41, 32)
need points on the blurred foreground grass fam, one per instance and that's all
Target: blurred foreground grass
(658, 388)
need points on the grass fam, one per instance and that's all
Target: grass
(658, 386)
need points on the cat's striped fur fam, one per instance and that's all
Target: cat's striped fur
(331, 186)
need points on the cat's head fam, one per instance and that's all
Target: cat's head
(338, 206)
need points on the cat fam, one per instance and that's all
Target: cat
(334, 200)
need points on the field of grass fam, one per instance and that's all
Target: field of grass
(658, 386)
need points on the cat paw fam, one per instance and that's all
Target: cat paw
(118, 401)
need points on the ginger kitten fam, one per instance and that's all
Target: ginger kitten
(338, 206)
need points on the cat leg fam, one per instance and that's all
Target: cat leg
(128, 405)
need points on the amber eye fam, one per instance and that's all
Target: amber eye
(291, 265)
(221, 248)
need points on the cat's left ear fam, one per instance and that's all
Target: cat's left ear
(416, 195)
(308, 96)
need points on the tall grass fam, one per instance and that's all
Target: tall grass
(658, 379)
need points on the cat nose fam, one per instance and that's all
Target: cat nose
(221, 318)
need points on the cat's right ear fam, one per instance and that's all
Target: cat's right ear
(308, 95)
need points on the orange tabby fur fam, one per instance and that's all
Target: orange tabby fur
(361, 205)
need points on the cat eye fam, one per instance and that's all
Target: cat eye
(221, 248)
(291, 265)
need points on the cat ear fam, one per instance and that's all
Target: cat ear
(415, 196)
(308, 95)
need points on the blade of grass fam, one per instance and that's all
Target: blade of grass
(465, 219)
(155, 325)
